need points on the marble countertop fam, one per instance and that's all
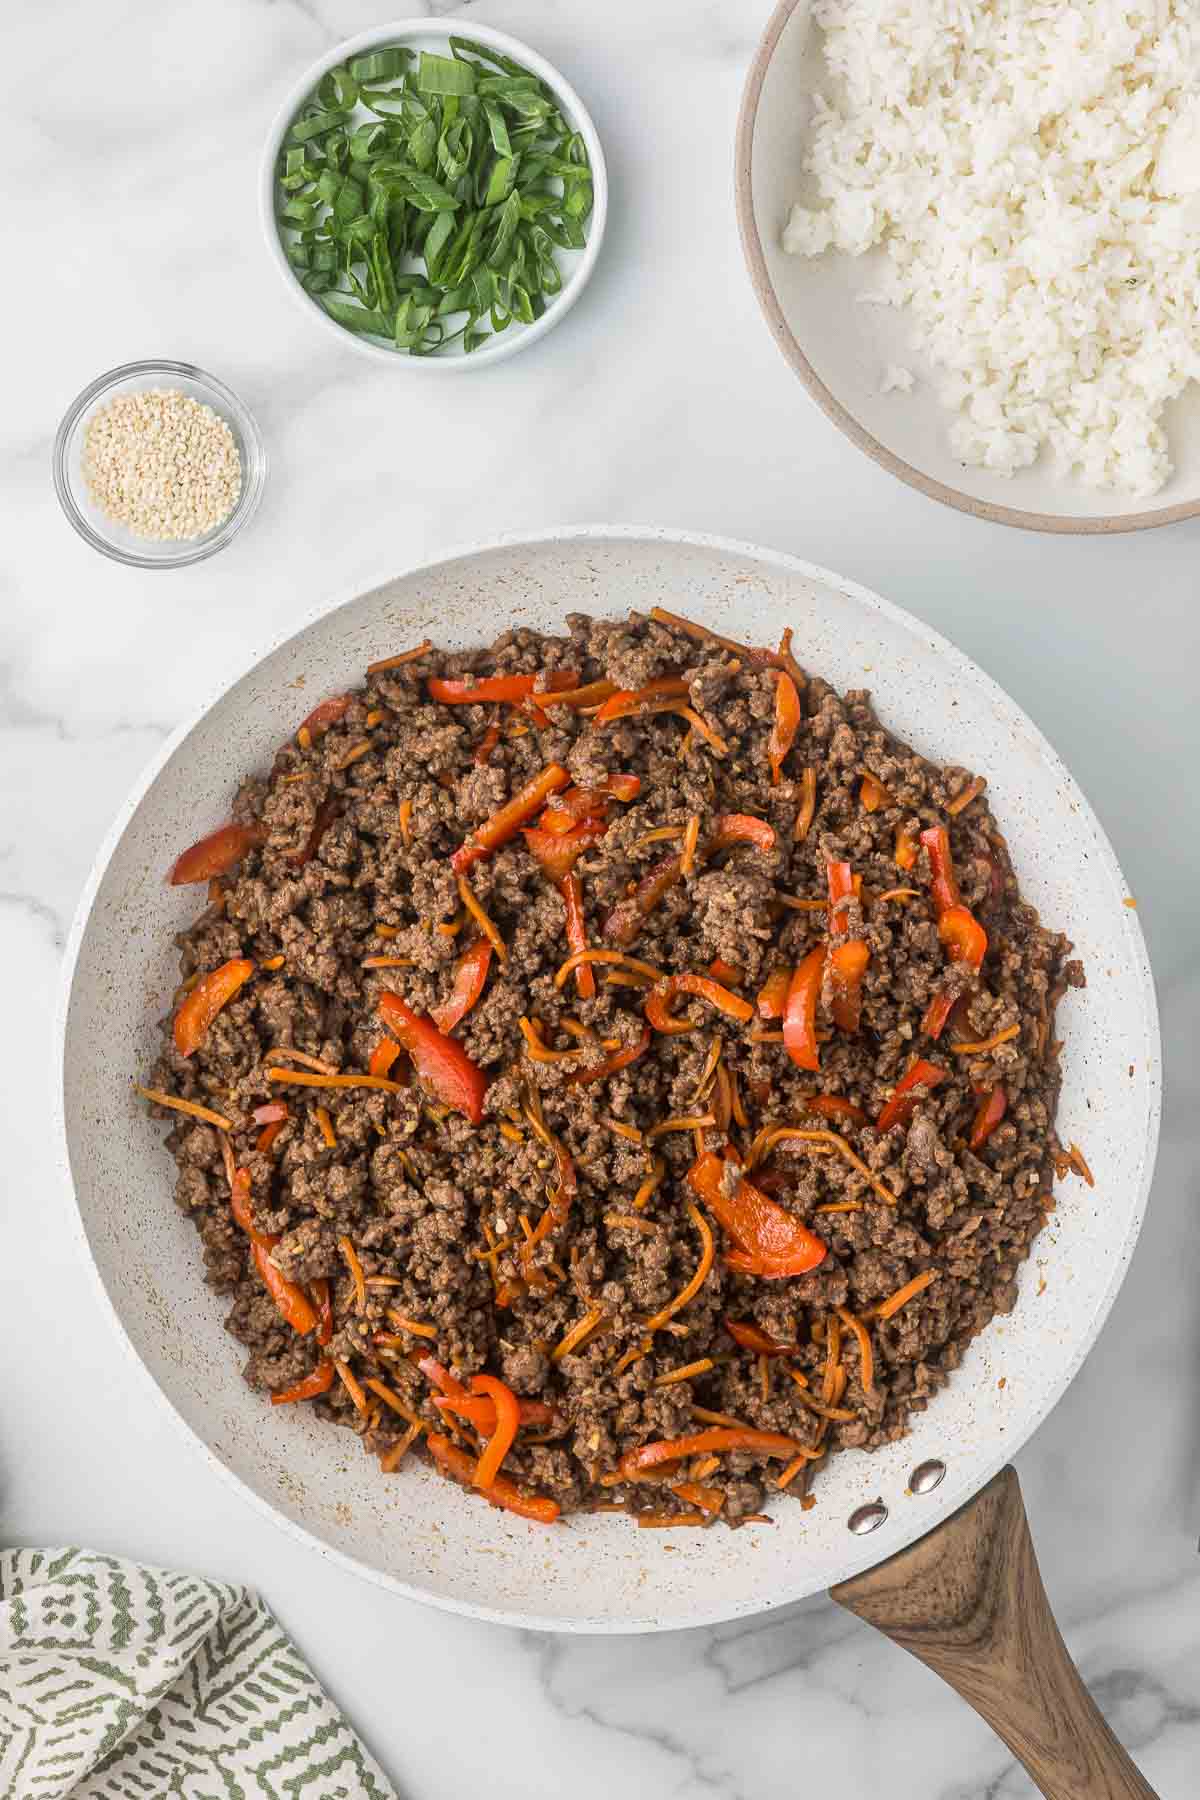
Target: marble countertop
(131, 134)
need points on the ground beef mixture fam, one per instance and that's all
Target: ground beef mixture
(415, 1223)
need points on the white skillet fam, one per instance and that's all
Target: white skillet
(414, 1533)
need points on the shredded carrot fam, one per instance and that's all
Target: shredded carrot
(866, 1358)
(304, 738)
(701, 633)
(667, 1521)
(839, 1206)
(872, 793)
(404, 820)
(700, 1367)
(833, 1359)
(511, 1133)
(388, 962)
(295, 1078)
(350, 1383)
(272, 963)
(704, 1466)
(621, 978)
(485, 924)
(300, 775)
(705, 1417)
(971, 792)
(325, 1127)
(355, 752)
(185, 1106)
(405, 656)
(808, 805)
(903, 1295)
(766, 1037)
(1079, 1164)
(699, 723)
(373, 718)
(787, 1476)
(538, 1050)
(392, 1399)
(698, 1280)
(582, 1329)
(658, 836)
(630, 1132)
(386, 931)
(896, 894)
(391, 1459)
(691, 838)
(834, 1141)
(708, 1073)
(653, 1181)
(840, 1415)
(693, 1124)
(606, 956)
(764, 1376)
(287, 1054)
(350, 1255)
(631, 1222)
(797, 905)
(992, 1043)
(452, 927)
(708, 1499)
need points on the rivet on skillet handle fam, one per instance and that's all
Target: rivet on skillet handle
(968, 1601)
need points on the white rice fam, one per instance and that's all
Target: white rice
(1032, 169)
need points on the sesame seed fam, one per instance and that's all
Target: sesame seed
(162, 464)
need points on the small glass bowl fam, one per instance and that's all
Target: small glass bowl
(115, 540)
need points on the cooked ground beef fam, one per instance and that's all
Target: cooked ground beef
(354, 829)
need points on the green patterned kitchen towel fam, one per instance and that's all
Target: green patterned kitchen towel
(124, 1683)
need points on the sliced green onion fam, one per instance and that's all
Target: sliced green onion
(451, 202)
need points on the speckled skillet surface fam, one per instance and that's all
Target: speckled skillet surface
(413, 1528)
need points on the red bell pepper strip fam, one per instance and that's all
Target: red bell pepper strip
(768, 1234)
(440, 1377)
(383, 1056)
(508, 821)
(292, 1302)
(772, 995)
(502, 1493)
(572, 899)
(631, 700)
(486, 744)
(325, 815)
(786, 725)
(323, 1296)
(482, 1412)
(440, 1061)
(620, 1059)
(898, 1110)
(627, 918)
(658, 1001)
(936, 1013)
(741, 828)
(725, 972)
(752, 1337)
(558, 852)
(944, 886)
(718, 1438)
(833, 1106)
(267, 1136)
(328, 713)
(508, 1423)
(459, 691)
(589, 802)
(215, 854)
(470, 974)
(964, 937)
(847, 965)
(201, 1006)
(800, 1011)
(841, 892)
(988, 1115)
(905, 853)
(319, 1382)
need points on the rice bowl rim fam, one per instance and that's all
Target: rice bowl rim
(743, 175)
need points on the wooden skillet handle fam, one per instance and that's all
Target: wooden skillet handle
(968, 1601)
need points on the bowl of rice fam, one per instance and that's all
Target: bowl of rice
(975, 235)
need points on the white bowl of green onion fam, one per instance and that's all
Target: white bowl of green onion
(434, 199)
